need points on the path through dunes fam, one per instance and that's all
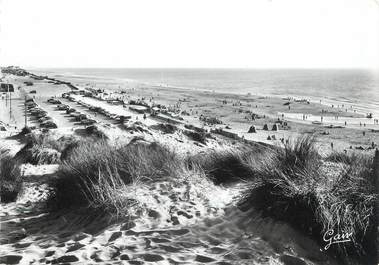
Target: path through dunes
(174, 224)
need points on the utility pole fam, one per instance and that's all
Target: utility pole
(6, 96)
(26, 118)
(10, 104)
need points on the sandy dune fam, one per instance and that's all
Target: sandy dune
(186, 221)
(180, 223)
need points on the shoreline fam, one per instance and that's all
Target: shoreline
(270, 110)
(148, 163)
(363, 108)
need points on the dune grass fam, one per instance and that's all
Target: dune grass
(289, 186)
(197, 136)
(293, 184)
(10, 178)
(43, 149)
(228, 166)
(166, 128)
(95, 173)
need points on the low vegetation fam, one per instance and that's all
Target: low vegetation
(93, 172)
(290, 186)
(43, 149)
(92, 131)
(165, 128)
(197, 136)
(10, 178)
(293, 184)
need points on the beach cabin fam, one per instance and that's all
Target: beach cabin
(155, 110)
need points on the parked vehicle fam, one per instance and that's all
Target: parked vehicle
(88, 122)
(43, 119)
(70, 110)
(41, 114)
(54, 101)
(63, 107)
(81, 117)
(49, 124)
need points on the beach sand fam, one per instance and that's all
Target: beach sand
(182, 222)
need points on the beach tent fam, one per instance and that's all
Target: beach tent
(252, 129)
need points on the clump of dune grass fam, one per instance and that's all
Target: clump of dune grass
(227, 165)
(289, 186)
(165, 128)
(198, 136)
(25, 130)
(94, 173)
(92, 131)
(348, 203)
(10, 177)
(43, 149)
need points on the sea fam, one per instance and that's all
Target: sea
(352, 87)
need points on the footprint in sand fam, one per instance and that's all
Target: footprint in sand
(75, 247)
(204, 259)
(152, 257)
(65, 259)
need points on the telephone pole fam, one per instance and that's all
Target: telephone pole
(10, 104)
(26, 119)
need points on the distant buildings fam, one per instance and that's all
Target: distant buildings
(15, 70)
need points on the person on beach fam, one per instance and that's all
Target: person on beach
(332, 145)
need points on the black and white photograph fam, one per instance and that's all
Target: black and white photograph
(189, 132)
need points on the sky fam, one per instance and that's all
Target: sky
(190, 33)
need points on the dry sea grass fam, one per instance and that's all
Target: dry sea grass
(290, 188)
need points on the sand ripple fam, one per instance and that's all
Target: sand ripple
(180, 224)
